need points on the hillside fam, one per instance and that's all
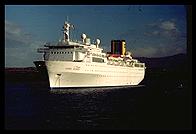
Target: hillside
(179, 61)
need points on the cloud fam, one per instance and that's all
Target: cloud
(164, 29)
(152, 33)
(159, 50)
(164, 25)
(22, 56)
(14, 33)
(144, 51)
(168, 25)
(155, 32)
(20, 46)
(157, 39)
(12, 28)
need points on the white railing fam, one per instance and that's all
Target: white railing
(42, 50)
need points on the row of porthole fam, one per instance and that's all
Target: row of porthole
(90, 65)
(109, 76)
(60, 52)
(104, 66)
(104, 71)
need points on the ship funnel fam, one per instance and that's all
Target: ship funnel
(118, 47)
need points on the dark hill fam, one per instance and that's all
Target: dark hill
(173, 71)
(179, 61)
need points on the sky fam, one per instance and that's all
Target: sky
(149, 30)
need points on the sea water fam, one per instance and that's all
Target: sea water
(31, 104)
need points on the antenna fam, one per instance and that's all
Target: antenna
(67, 18)
(66, 29)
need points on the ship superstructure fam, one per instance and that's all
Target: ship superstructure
(84, 64)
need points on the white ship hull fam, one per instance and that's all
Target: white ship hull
(80, 74)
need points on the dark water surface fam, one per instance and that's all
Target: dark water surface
(155, 104)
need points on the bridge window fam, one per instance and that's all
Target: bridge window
(94, 59)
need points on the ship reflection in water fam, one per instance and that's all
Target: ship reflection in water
(90, 90)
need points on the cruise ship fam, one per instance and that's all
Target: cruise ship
(70, 63)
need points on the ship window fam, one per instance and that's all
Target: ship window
(97, 59)
(68, 52)
(65, 52)
(54, 52)
(71, 52)
(57, 52)
(136, 65)
(51, 52)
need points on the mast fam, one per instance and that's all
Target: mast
(66, 29)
